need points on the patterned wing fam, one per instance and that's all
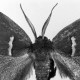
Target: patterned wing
(12, 38)
(66, 52)
(68, 39)
(15, 68)
(15, 63)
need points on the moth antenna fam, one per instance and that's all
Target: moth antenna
(29, 22)
(47, 22)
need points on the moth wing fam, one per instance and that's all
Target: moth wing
(15, 68)
(67, 67)
(68, 39)
(10, 32)
(66, 52)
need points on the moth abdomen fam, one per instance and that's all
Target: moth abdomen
(42, 70)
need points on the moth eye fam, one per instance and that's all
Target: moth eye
(10, 45)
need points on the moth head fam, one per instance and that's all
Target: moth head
(41, 43)
(32, 26)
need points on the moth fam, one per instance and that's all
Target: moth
(18, 54)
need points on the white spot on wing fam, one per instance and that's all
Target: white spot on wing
(73, 45)
(10, 45)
